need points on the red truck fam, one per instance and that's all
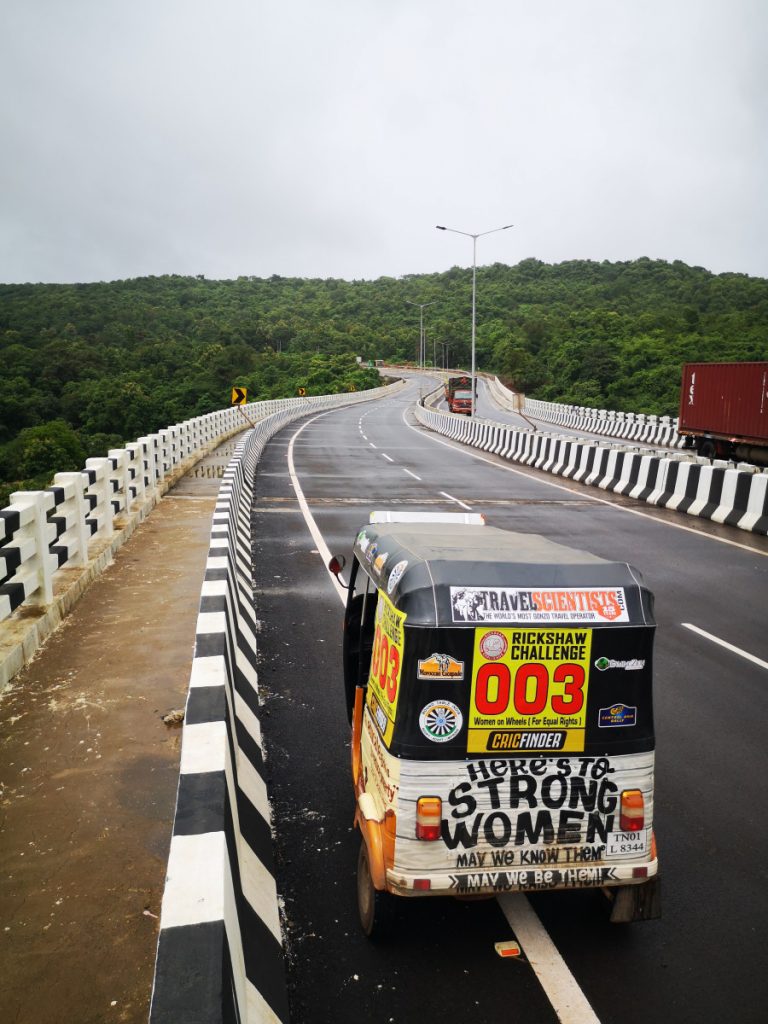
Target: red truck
(724, 410)
(461, 401)
(458, 394)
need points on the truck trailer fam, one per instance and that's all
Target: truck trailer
(724, 410)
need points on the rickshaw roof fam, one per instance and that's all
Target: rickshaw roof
(419, 564)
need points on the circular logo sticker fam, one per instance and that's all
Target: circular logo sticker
(440, 720)
(493, 646)
(394, 576)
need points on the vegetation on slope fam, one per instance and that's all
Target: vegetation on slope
(91, 366)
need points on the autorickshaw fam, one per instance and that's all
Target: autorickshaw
(498, 686)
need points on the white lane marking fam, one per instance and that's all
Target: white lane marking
(410, 473)
(726, 645)
(553, 974)
(475, 454)
(371, 444)
(561, 988)
(384, 456)
(450, 497)
(317, 537)
(364, 437)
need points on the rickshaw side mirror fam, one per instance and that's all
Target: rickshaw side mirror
(335, 566)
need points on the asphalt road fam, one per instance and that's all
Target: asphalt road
(706, 959)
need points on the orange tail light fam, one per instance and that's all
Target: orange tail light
(429, 811)
(632, 817)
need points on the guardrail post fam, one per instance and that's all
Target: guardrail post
(102, 487)
(79, 482)
(135, 471)
(122, 477)
(150, 453)
(36, 502)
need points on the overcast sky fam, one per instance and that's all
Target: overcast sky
(327, 138)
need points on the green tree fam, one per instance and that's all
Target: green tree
(45, 449)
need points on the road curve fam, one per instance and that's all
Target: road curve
(705, 960)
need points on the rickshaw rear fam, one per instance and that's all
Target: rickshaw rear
(499, 687)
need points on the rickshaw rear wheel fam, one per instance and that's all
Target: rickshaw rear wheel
(375, 907)
(635, 902)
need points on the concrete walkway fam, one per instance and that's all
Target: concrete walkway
(89, 771)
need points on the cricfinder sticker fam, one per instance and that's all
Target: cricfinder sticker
(533, 696)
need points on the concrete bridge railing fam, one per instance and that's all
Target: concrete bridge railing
(631, 426)
(53, 542)
(733, 495)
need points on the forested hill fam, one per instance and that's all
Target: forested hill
(113, 361)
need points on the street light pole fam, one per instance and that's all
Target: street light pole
(474, 238)
(422, 339)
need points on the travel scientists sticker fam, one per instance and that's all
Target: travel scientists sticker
(512, 605)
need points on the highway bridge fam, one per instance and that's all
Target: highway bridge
(90, 767)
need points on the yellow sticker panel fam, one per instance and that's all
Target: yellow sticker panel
(386, 665)
(529, 690)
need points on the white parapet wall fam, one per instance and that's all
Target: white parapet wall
(54, 542)
(733, 495)
(629, 426)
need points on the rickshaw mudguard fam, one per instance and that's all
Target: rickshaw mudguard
(357, 730)
(366, 819)
(371, 830)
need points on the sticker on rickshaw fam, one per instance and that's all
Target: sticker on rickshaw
(559, 604)
(440, 666)
(440, 721)
(386, 666)
(529, 690)
(617, 716)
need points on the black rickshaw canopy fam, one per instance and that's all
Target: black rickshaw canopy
(424, 567)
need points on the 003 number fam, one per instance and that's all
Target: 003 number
(385, 665)
(529, 692)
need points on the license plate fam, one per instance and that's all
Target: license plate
(625, 843)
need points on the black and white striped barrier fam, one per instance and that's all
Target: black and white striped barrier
(735, 496)
(220, 952)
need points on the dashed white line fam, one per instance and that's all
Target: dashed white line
(385, 456)
(445, 494)
(474, 453)
(371, 444)
(561, 988)
(410, 473)
(724, 643)
(558, 983)
(317, 537)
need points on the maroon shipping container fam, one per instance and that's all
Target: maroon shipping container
(724, 406)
